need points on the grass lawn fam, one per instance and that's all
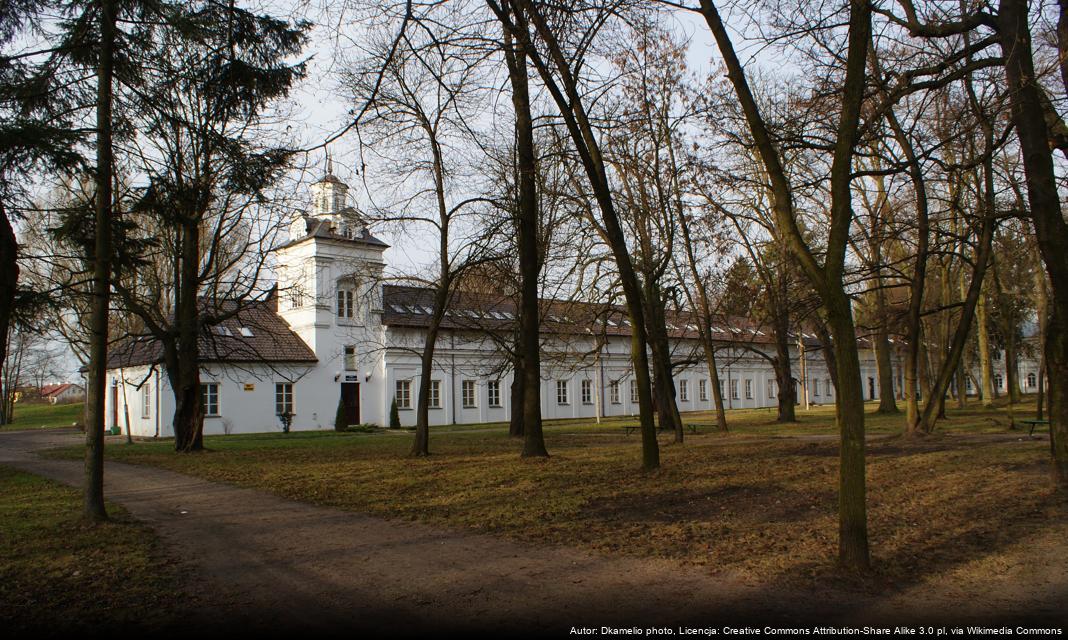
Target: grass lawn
(758, 503)
(42, 415)
(60, 573)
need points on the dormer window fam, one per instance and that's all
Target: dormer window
(346, 303)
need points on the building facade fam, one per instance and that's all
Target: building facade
(333, 338)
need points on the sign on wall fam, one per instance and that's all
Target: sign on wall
(250, 386)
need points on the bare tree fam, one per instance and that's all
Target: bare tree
(545, 33)
(418, 92)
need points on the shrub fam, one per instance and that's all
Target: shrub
(339, 417)
(394, 415)
(366, 427)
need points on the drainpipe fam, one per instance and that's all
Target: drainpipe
(452, 376)
(157, 404)
(599, 405)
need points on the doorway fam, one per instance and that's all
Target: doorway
(350, 399)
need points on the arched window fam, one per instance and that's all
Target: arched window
(1032, 380)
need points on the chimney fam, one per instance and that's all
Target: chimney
(272, 298)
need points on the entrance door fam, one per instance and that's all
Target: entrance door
(114, 405)
(871, 388)
(350, 398)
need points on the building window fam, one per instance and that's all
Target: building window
(561, 392)
(684, 390)
(467, 394)
(345, 303)
(968, 384)
(434, 401)
(613, 392)
(209, 397)
(1032, 380)
(829, 388)
(587, 392)
(404, 394)
(296, 298)
(748, 389)
(350, 358)
(634, 392)
(734, 389)
(816, 387)
(146, 400)
(702, 390)
(771, 389)
(999, 381)
(283, 398)
(996, 355)
(493, 392)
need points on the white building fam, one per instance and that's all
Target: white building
(334, 335)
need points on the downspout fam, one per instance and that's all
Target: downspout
(125, 404)
(599, 407)
(452, 376)
(157, 404)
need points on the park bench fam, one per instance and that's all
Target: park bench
(1035, 423)
(634, 427)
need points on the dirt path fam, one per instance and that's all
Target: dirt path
(269, 565)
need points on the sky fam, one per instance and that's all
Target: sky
(319, 110)
(324, 107)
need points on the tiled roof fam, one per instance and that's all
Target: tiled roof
(254, 334)
(407, 306)
(319, 228)
(55, 389)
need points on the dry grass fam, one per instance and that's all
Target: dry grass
(754, 504)
(61, 574)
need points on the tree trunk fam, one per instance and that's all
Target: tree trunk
(98, 322)
(663, 382)
(565, 94)
(184, 372)
(883, 359)
(849, 412)
(529, 260)
(918, 282)
(1012, 372)
(986, 367)
(827, 278)
(829, 355)
(935, 406)
(9, 276)
(1049, 224)
(784, 377)
(1042, 304)
(705, 313)
(713, 379)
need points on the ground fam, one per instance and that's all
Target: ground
(964, 524)
(43, 415)
(60, 572)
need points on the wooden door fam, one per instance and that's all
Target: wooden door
(350, 398)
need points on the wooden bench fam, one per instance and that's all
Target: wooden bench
(635, 427)
(1035, 423)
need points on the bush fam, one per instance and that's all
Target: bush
(394, 415)
(339, 417)
(366, 427)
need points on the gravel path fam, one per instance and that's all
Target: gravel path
(267, 565)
